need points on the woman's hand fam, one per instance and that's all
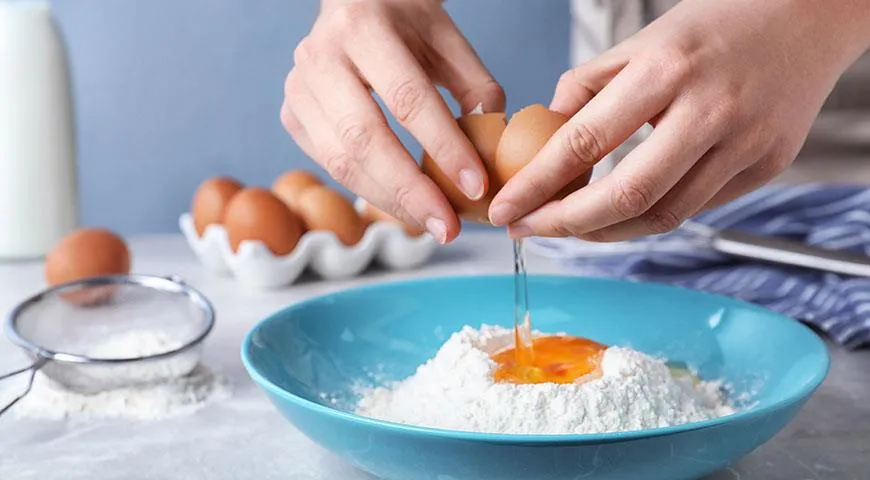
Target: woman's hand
(400, 49)
(731, 88)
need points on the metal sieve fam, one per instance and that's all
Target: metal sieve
(67, 332)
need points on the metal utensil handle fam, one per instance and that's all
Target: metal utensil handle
(788, 252)
(32, 368)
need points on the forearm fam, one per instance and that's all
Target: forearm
(845, 22)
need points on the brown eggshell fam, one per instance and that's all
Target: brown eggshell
(527, 132)
(484, 131)
(87, 253)
(257, 214)
(371, 214)
(210, 201)
(290, 185)
(322, 208)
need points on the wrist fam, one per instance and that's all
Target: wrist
(843, 25)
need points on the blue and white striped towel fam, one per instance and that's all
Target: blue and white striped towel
(833, 217)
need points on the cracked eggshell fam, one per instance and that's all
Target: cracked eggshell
(526, 133)
(484, 131)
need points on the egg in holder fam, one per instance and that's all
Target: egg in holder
(388, 243)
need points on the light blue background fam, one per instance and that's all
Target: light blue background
(170, 92)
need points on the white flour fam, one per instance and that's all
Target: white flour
(455, 390)
(188, 388)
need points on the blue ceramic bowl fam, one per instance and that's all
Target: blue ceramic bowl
(316, 350)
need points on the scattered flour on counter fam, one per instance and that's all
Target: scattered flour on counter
(454, 390)
(186, 387)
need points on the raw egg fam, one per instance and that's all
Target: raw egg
(552, 359)
(484, 131)
(371, 214)
(210, 201)
(87, 253)
(504, 149)
(290, 185)
(322, 208)
(257, 214)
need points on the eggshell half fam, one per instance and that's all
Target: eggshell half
(257, 214)
(484, 131)
(526, 133)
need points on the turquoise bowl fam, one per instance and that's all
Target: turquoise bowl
(308, 357)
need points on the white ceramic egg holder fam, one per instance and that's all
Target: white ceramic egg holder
(320, 251)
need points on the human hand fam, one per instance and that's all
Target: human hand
(731, 88)
(400, 49)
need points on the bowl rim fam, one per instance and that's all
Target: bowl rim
(750, 414)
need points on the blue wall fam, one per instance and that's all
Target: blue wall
(170, 92)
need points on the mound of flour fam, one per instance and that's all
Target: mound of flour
(454, 390)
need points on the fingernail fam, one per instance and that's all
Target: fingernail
(501, 214)
(437, 229)
(519, 230)
(471, 183)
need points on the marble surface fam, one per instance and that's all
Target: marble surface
(245, 438)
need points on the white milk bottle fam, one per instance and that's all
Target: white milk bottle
(38, 191)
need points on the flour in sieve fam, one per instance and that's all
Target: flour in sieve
(180, 385)
(454, 390)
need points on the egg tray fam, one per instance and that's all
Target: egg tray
(321, 252)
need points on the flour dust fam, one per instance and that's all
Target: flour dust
(176, 386)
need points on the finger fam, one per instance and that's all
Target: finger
(580, 84)
(397, 77)
(460, 70)
(709, 176)
(330, 154)
(290, 121)
(747, 181)
(590, 134)
(296, 131)
(638, 182)
(367, 139)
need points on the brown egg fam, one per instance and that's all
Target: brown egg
(289, 186)
(371, 214)
(87, 253)
(527, 132)
(257, 214)
(504, 150)
(484, 131)
(210, 201)
(322, 208)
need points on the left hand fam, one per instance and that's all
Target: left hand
(731, 89)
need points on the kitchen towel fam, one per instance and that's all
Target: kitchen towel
(828, 216)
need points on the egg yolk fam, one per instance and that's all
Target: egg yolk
(549, 359)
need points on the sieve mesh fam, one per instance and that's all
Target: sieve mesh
(111, 332)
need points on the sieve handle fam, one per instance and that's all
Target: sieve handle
(32, 368)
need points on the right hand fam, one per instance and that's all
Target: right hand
(400, 49)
